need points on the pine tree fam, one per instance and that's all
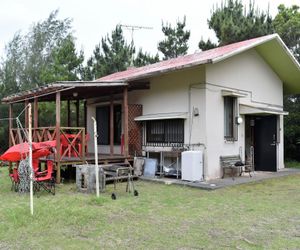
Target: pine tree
(65, 63)
(117, 54)
(206, 45)
(232, 22)
(287, 25)
(176, 40)
(144, 58)
(113, 54)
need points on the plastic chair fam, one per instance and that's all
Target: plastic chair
(87, 138)
(65, 145)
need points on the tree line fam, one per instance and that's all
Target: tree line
(47, 53)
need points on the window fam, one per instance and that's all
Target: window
(230, 127)
(103, 128)
(165, 131)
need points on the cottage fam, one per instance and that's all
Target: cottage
(223, 101)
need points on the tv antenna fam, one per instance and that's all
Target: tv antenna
(133, 28)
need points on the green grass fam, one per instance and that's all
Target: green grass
(264, 215)
(292, 164)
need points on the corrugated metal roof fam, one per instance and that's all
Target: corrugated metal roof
(60, 86)
(270, 47)
(205, 57)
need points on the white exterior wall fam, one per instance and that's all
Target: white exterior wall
(171, 93)
(249, 73)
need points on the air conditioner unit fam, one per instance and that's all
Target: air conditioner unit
(192, 165)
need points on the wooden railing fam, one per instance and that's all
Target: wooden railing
(38, 134)
(72, 139)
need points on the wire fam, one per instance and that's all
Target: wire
(19, 124)
(23, 111)
(7, 119)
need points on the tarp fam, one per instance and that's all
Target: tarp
(21, 151)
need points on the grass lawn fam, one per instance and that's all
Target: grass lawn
(292, 164)
(265, 215)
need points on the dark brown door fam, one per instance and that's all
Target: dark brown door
(265, 130)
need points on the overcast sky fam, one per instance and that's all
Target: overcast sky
(93, 19)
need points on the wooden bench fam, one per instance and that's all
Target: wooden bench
(229, 163)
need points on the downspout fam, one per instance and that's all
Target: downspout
(191, 124)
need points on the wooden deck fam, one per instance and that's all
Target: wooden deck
(90, 158)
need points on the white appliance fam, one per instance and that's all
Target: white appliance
(192, 165)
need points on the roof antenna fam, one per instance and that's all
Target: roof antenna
(133, 28)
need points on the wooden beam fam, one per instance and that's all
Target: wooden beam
(83, 142)
(77, 112)
(36, 113)
(111, 125)
(57, 128)
(10, 124)
(26, 113)
(125, 110)
(69, 113)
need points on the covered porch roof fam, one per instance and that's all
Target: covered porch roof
(79, 91)
(73, 90)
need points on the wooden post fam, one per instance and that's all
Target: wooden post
(57, 128)
(36, 113)
(111, 125)
(69, 113)
(77, 112)
(26, 113)
(85, 115)
(83, 145)
(10, 124)
(125, 108)
(35, 119)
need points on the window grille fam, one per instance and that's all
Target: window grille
(165, 132)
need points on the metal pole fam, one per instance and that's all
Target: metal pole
(96, 156)
(177, 165)
(30, 156)
(57, 129)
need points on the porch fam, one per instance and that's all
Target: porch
(74, 144)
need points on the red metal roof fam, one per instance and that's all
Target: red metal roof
(186, 61)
